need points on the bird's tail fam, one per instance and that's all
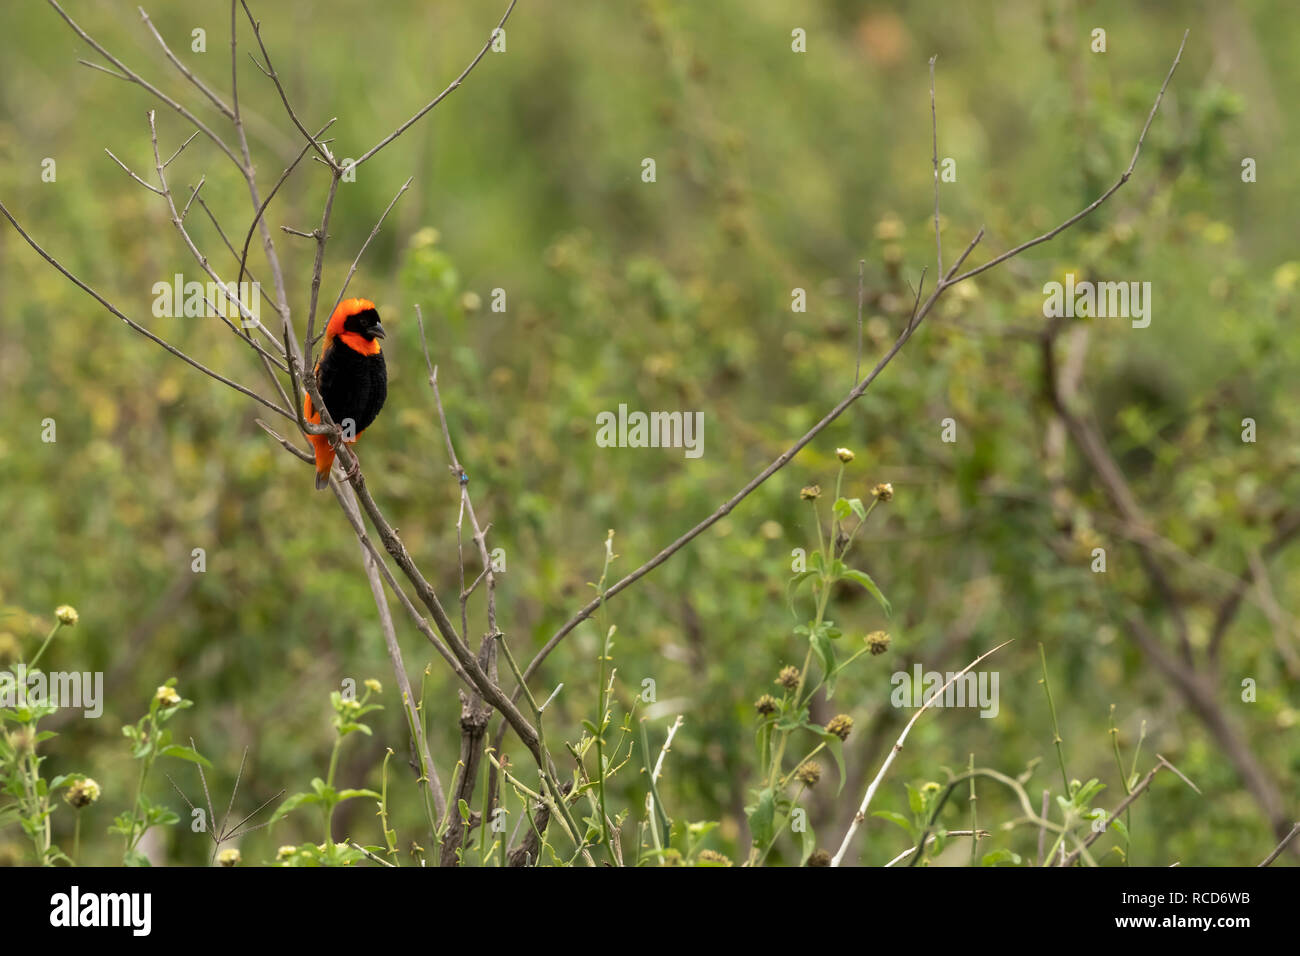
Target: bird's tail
(324, 459)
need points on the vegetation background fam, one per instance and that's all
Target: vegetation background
(775, 170)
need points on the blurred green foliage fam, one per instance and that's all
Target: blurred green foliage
(775, 171)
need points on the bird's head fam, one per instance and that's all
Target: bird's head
(356, 322)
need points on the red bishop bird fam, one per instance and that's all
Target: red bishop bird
(352, 377)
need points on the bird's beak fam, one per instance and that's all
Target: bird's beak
(376, 331)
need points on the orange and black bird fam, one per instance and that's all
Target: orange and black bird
(352, 377)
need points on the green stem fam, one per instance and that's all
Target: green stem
(329, 784)
(49, 637)
(974, 824)
(1056, 730)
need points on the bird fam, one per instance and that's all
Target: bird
(352, 378)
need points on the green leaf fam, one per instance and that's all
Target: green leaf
(898, 819)
(185, 753)
(794, 584)
(761, 819)
(836, 747)
(353, 794)
(841, 509)
(808, 844)
(998, 857)
(915, 799)
(861, 577)
(825, 651)
(292, 803)
(463, 807)
(859, 508)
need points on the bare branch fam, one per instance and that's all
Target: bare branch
(455, 84)
(365, 245)
(203, 88)
(861, 815)
(934, 140)
(324, 153)
(1038, 240)
(136, 326)
(1277, 851)
(944, 282)
(133, 77)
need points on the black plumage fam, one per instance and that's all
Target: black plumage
(354, 386)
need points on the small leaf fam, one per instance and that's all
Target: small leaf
(897, 818)
(353, 794)
(915, 799)
(762, 817)
(292, 803)
(861, 577)
(1001, 856)
(185, 753)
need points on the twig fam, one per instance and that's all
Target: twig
(1277, 851)
(373, 232)
(934, 140)
(944, 282)
(217, 101)
(455, 84)
(321, 150)
(1124, 804)
(429, 771)
(857, 368)
(975, 835)
(861, 815)
(133, 77)
(368, 855)
(140, 328)
(1100, 199)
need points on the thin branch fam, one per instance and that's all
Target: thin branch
(136, 326)
(429, 775)
(1124, 805)
(133, 77)
(321, 150)
(455, 84)
(203, 88)
(321, 236)
(1100, 199)
(784, 459)
(127, 169)
(365, 245)
(977, 834)
(285, 443)
(861, 815)
(181, 148)
(250, 176)
(857, 368)
(934, 140)
(261, 208)
(194, 194)
(1277, 851)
